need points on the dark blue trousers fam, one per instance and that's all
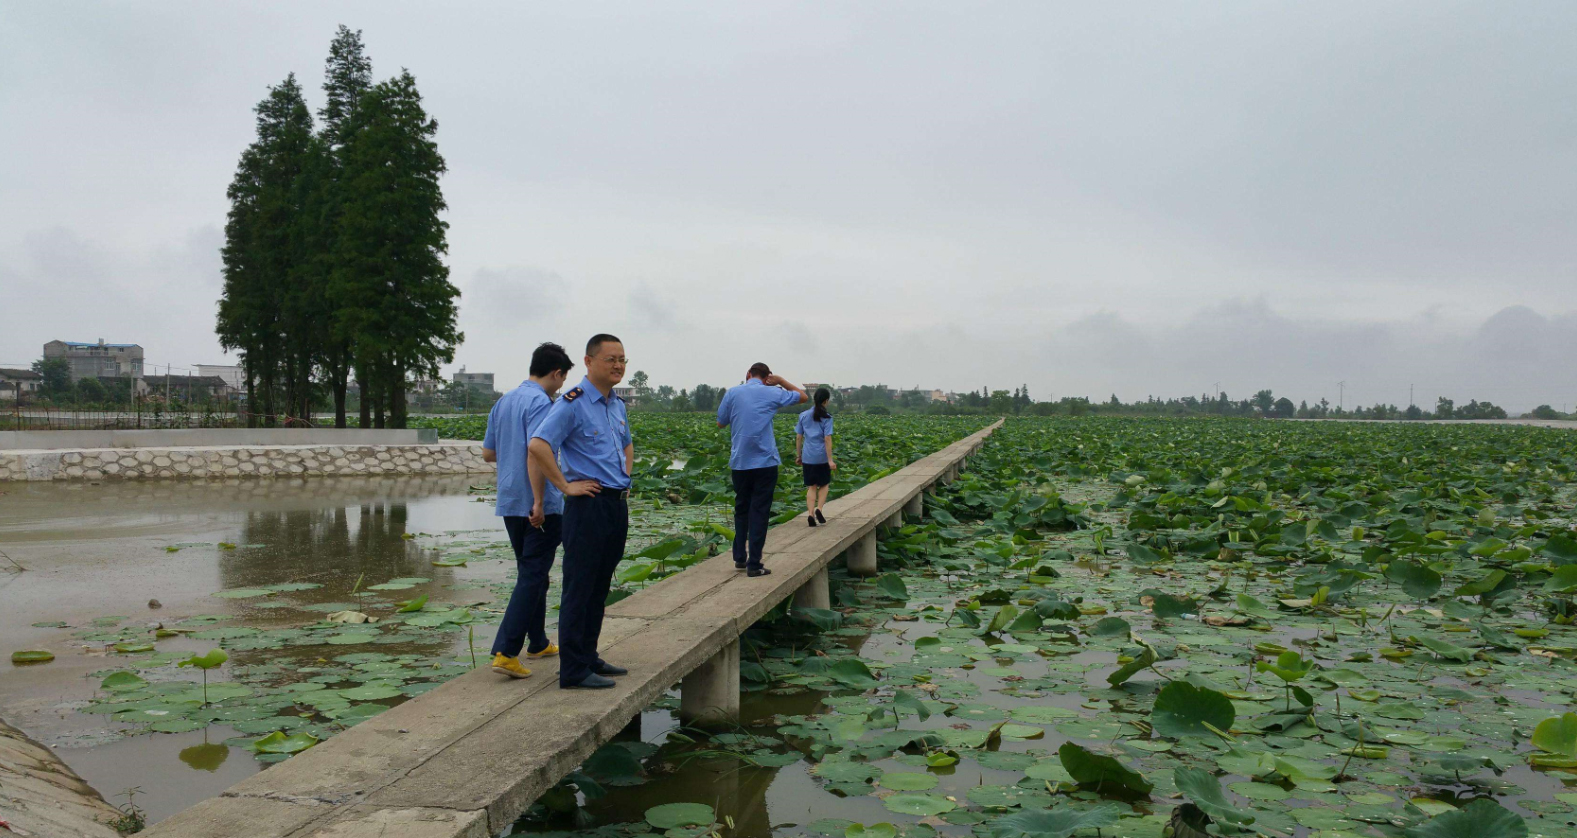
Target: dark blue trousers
(595, 528)
(753, 488)
(527, 613)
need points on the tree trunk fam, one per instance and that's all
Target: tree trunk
(397, 401)
(268, 399)
(251, 397)
(337, 374)
(364, 410)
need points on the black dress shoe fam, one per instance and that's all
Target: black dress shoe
(811, 519)
(590, 682)
(607, 669)
(758, 571)
(820, 517)
(739, 565)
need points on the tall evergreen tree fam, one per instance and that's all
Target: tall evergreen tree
(389, 286)
(347, 75)
(263, 254)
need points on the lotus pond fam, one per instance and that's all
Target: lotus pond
(176, 636)
(1156, 628)
(1123, 627)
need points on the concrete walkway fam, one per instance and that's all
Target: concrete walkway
(466, 759)
(40, 796)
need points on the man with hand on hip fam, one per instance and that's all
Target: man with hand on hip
(532, 511)
(747, 411)
(591, 425)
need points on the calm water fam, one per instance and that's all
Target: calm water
(102, 551)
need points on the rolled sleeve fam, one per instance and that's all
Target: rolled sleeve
(829, 426)
(725, 408)
(557, 424)
(788, 397)
(629, 438)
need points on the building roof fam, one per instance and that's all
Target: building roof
(179, 381)
(93, 344)
(20, 375)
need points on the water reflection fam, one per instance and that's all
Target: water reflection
(205, 757)
(313, 545)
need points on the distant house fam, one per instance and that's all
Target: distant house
(97, 360)
(190, 388)
(426, 386)
(231, 373)
(16, 384)
(626, 393)
(480, 380)
(939, 396)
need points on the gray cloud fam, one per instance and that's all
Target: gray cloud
(1516, 357)
(512, 295)
(1086, 198)
(650, 309)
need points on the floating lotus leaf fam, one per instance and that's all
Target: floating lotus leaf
(672, 815)
(920, 805)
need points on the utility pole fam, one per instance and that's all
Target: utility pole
(1409, 395)
(1341, 395)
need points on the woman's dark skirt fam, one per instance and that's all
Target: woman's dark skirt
(817, 474)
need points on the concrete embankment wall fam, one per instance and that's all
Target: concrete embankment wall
(40, 796)
(211, 437)
(246, 461)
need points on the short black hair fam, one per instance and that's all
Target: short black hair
(759, 370)
(550, 358)
(597, 341)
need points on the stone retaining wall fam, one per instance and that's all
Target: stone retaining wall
(251, 461)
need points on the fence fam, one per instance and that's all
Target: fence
(34, 417)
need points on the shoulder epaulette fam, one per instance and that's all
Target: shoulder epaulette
(573, 394)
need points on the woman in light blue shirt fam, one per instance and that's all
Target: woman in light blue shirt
(813, 451)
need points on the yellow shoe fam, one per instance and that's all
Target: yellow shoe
(551, 650)
(509, 666)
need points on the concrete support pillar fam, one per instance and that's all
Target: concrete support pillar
(915, 508)
(710, 694)
(814, 593)
(894, 521)
(861, 557)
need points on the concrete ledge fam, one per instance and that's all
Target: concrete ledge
(457, 761)
(94, 464)
(39, 795)
(177, 437)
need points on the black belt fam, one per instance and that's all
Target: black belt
(605, 494)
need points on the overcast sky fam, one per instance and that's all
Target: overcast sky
(1085, 198)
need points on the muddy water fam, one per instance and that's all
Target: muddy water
(104, 551)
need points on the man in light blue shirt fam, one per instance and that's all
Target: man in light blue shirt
(747, 411)
(532, 511)
(598, 452)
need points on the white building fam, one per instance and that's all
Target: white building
(231, 373)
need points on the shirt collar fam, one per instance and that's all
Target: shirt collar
(529, 383)
(756, 381)
(591, 390)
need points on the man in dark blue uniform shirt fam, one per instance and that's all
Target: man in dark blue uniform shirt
(591, 425)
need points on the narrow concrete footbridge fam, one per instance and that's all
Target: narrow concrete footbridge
(466, 759)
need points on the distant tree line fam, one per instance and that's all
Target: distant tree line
(878, 399)
(333, 253)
